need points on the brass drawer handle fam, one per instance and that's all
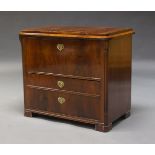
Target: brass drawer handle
(61, 100)
(60, 84)
(60, 47)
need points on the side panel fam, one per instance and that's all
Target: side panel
(119, 77)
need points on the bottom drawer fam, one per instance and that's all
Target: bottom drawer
(61, 102)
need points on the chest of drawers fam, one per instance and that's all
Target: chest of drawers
(78, 73)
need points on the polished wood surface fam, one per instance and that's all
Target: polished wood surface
(119, 77)
(74, 105)
(69, 84)
(77, 32)
(94, 74)
(42, 55)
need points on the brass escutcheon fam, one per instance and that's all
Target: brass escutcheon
(60, 84)
(60, 47)
(61, 100)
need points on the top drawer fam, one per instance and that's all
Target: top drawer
(64, 56)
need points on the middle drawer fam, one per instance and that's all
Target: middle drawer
(64, 83)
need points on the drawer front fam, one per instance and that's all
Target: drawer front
(64, 83)
(64, 56)
(63, 103)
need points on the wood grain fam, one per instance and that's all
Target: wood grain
(95, 66)
(79, 57)
(75, 105)
(69, 83)
(77, 32)
(119, 77)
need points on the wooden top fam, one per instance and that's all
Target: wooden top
(77, 32)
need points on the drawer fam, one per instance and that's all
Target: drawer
(64, 83)
(62, 103)
(64, 56)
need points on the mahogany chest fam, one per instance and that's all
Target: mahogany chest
(78, 73)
